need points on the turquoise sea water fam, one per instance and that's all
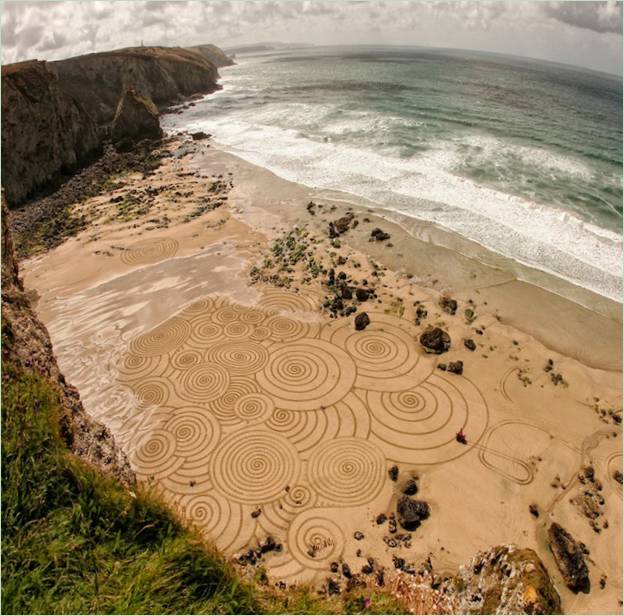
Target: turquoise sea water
(523, 157)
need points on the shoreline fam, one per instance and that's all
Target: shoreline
(540, 319)
(126, 285)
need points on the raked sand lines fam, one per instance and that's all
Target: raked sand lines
(269, 407)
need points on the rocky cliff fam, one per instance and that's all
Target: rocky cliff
(57, 115)
(45, 132)
(26, 344)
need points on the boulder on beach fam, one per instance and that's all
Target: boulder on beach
(435, 340)
(411, 512)
(569, 558)
(136, 119)
(362, 320)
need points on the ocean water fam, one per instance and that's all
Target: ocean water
(523, 157)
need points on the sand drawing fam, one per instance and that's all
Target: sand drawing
(150, 251)
(269, 408)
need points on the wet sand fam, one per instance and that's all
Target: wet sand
(257, 415)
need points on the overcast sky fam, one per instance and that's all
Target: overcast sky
(585, 34)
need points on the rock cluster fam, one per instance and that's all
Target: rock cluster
(505, 580)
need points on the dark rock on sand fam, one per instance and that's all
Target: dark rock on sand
(136, 119)
(340, 225)
(362, 320)
(534, 510)
(379, 235)
(617, 475)
(393, 472)
(569, 558)
(470, 344)
(448, 304)
(199, 135)
(435, 340)
(361, 295)
(410, 488)
(456, 367)
(411, 512)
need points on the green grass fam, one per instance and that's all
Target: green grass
(74, 541)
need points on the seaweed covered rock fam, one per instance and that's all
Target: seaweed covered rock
(136, 119)
(506, 580)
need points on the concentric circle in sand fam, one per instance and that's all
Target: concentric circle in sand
(239, 357)
(418, 426)
(254, 408)
(347, 471)
(385, 353)
(196, 434)
(254, 467)
(307, 374)
(202, 383)
(163, 339)
(314, 540)
(151, 250)
(155, 454)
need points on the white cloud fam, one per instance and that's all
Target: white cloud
(584, 33)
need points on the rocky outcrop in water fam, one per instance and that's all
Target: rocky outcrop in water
(26, 344)
(56, 116)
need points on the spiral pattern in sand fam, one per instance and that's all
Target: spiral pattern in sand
(347, 471)
(133, 366)
(386, 353)
(202, 383)
(163, 339)
(418, 426)
(150, 251)
(284, 328)
(223, 407)
(155, 454)
(254, 467)
(239, 357)
(314, 540)
(307, 374)
(152, 391)
(183, 359)
(196, 434)
(254, 408)
(276, 300)
(204, 332)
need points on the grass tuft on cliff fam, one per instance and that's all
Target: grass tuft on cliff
(74, 541)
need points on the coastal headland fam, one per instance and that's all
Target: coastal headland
(329, 395)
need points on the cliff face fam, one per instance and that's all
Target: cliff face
(26, 344)
(57, 115)
(165, 75)
(44, 132)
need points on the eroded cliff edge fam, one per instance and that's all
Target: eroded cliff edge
(56, 116)
(26, 344)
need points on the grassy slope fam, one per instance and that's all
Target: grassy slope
(76, 542)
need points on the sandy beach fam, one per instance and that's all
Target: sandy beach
(195, 317)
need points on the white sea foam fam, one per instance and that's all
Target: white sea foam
(427, 186)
